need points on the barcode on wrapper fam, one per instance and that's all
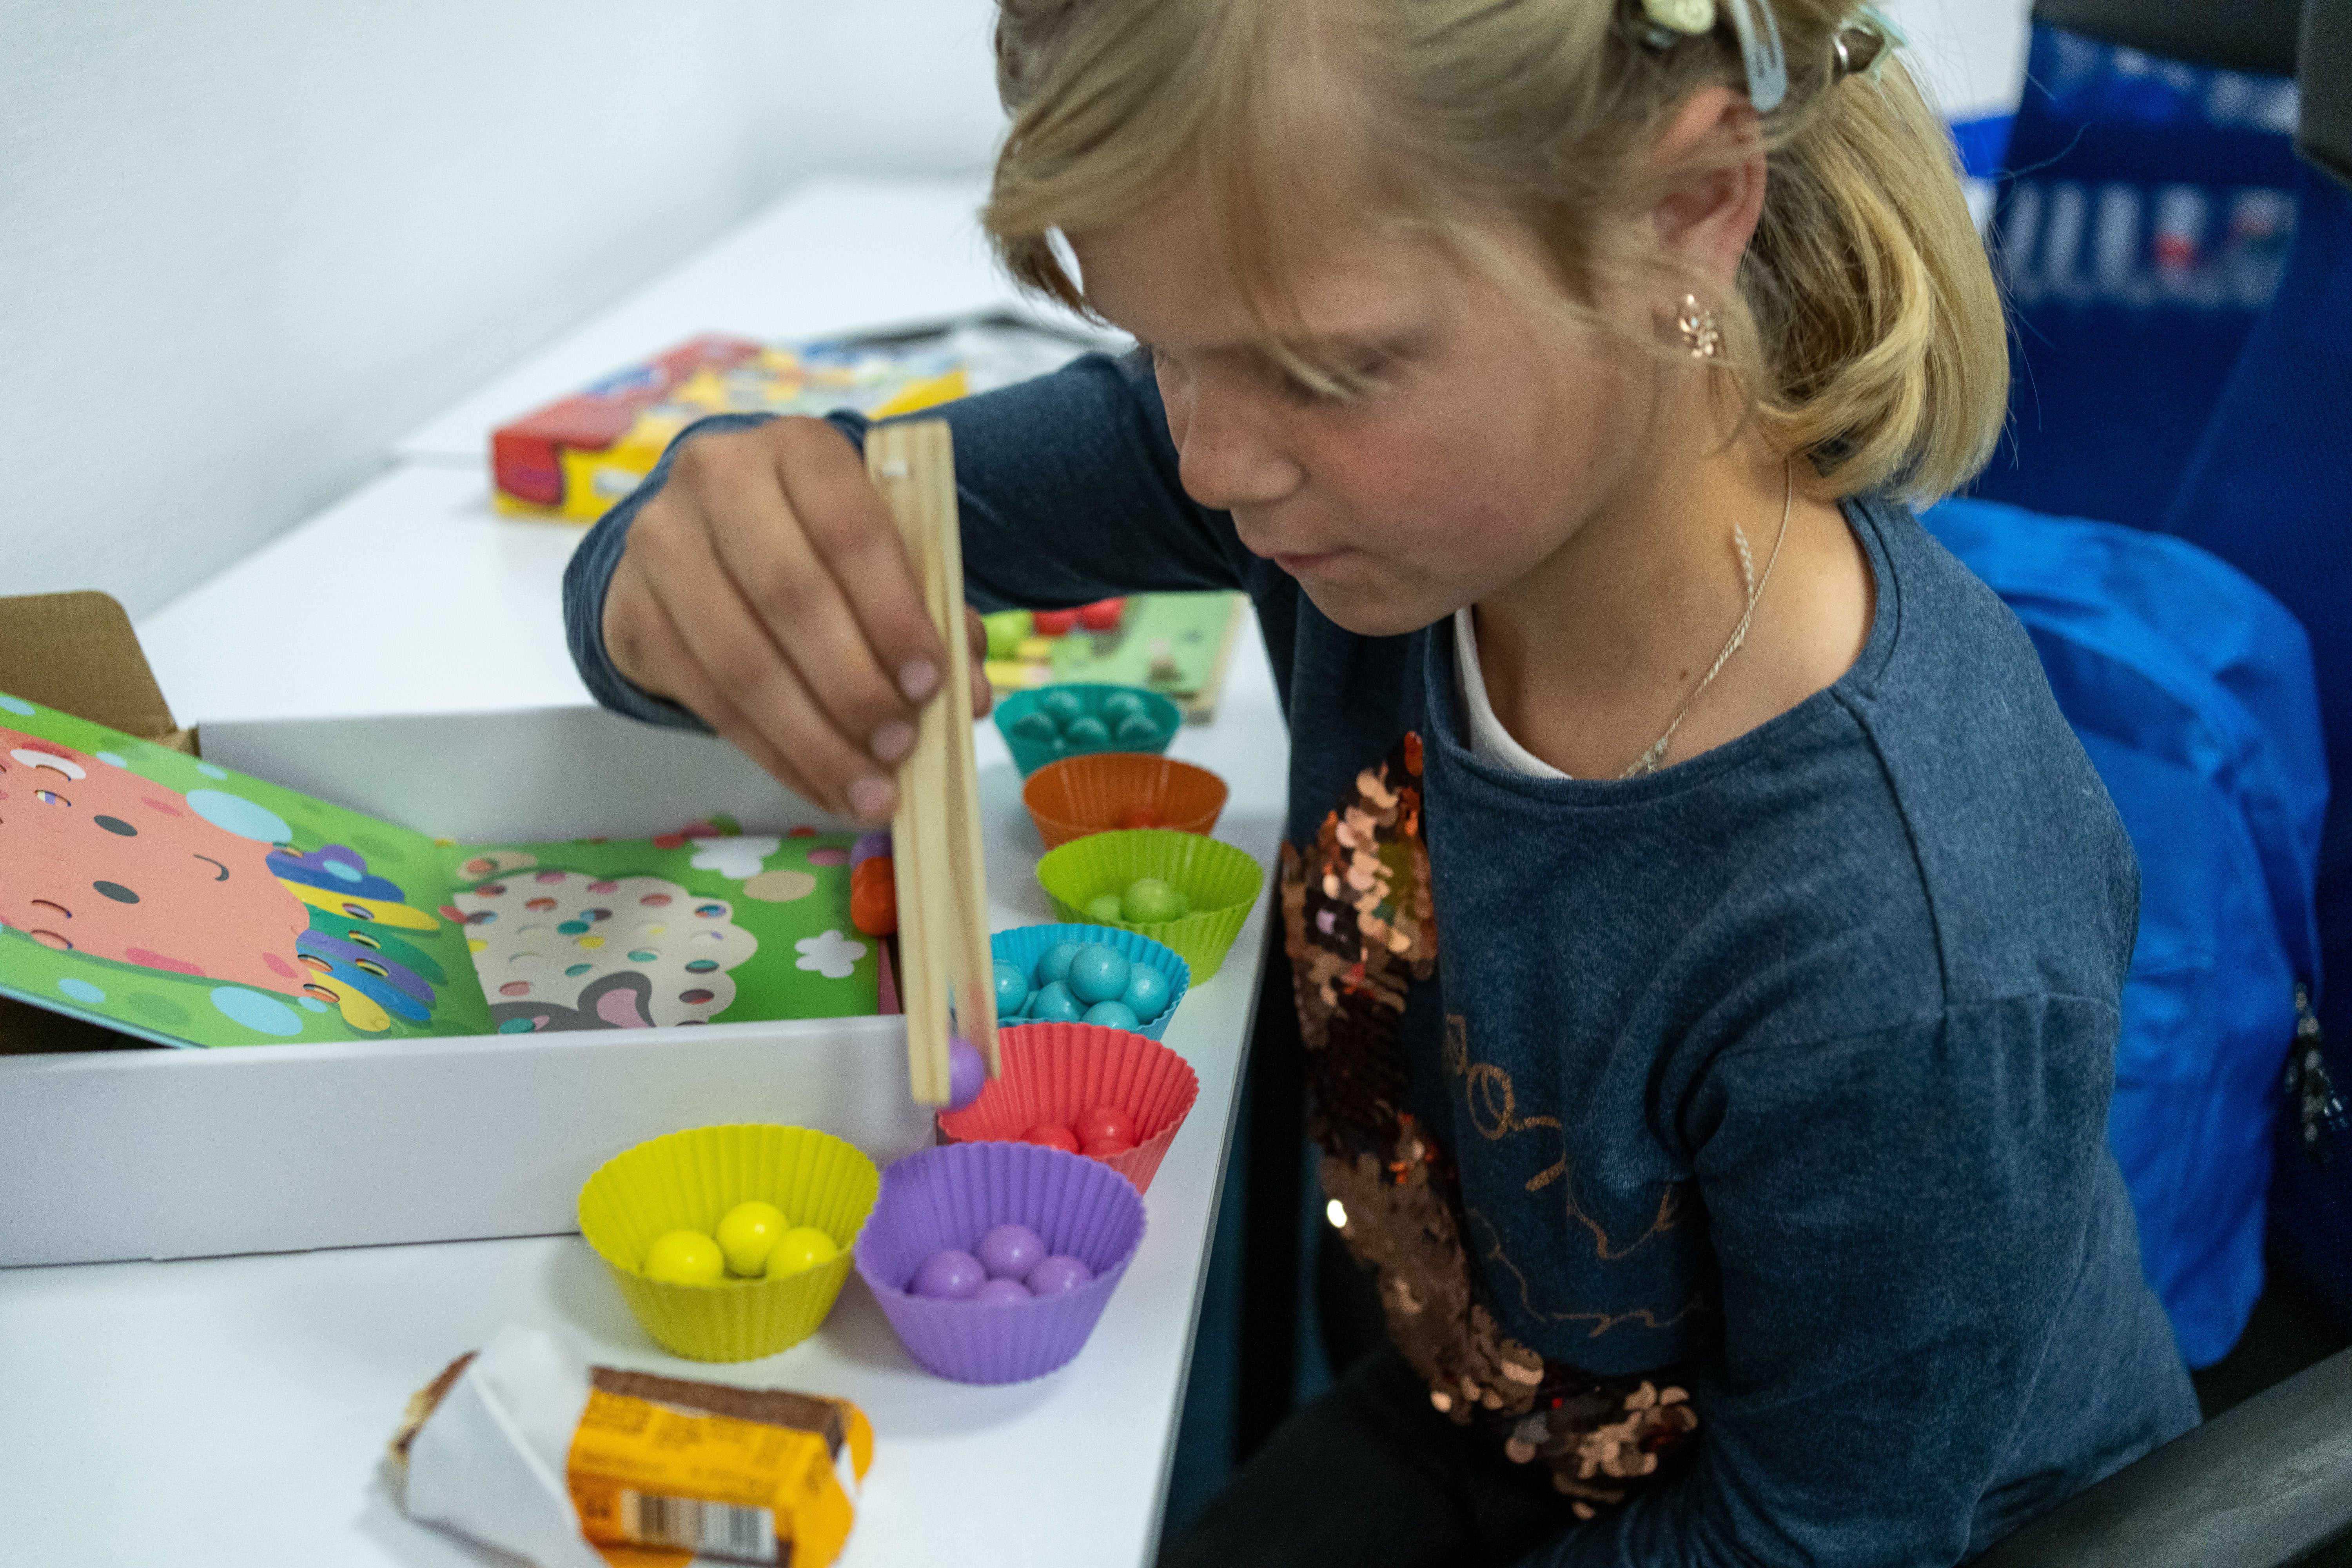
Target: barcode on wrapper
(714, 1530)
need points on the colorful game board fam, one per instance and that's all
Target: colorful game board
(171, 899)
(1175, 644)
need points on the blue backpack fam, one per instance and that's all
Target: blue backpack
(2193, 690)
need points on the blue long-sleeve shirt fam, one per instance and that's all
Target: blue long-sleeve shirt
(1786, 1068)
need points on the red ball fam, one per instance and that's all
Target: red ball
(1103, 615)
(1140, 817)
(1054, 623)
(1053, 1135)
(1104, 1148)
(1105, 1122)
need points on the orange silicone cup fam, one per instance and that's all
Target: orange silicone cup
(1077, 795)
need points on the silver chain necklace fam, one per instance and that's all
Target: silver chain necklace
(1647, 762)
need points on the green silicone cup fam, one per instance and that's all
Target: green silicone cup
(1221, 884)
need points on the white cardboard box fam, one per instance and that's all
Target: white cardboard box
(171, 1153)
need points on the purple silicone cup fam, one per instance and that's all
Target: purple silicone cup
(951, 1196)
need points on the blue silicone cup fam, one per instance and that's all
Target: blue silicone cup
(1029, 755)
(1024, 945)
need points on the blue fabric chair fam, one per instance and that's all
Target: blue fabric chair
(2269, 489)
(2140, 228)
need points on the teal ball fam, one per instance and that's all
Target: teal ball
(1118, 705)
(1083, 735)
(1056, 964)
(1060, 707)
(1137, 733)
(1035, 726)
(1098, 973)
(1011, 989)
(1111, 1016)
(1147, 991)
(1055, 1004)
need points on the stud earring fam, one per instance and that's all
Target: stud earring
(1701, 329)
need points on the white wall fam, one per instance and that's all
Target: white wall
(1969, 55)
(246, 244)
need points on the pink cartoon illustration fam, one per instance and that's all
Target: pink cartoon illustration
(98, 860)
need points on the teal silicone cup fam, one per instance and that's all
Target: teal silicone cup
(1024, 945)
(954, 1195)
(1029, 755)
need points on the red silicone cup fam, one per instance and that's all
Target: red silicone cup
(951, 1197)
(1057, 1072)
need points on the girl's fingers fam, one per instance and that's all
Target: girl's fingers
(731, 662)
(850, 531)
(659, 640)
(983, 700)
(760, 541)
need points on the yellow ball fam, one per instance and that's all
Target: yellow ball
(685, 1257)
(802, 1247)
(747, 1233)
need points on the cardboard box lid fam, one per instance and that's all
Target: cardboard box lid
(76, 652)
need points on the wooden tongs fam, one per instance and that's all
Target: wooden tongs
(935, 848)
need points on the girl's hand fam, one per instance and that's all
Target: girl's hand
(765, 589)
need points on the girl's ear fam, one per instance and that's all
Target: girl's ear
(1715, 149)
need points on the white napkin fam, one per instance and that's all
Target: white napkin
(490, 1462)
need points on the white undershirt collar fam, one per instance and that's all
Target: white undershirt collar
(1490, 741)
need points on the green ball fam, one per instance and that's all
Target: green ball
(1137, 733)
(1035, 726)
(1062, 705)
(1104, 907)
(1086, 734)
(1149, 900)
(1005, 632)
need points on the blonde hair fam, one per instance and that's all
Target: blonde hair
(1864, 331)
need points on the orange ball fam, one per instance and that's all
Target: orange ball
(1141, 816)
(874, 898)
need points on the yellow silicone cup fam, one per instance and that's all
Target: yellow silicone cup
(686, 1181)
(1221, 884)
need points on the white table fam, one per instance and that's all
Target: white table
(234, 1411)
(833, 258)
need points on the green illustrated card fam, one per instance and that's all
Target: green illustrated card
(178, 901)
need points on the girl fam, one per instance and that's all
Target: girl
(1708, 937)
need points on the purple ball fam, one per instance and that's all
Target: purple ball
(949, 1274)
(868, 847)
(1056, 1275)
(967, 1073)
(996, 1292)
(1010, 1251)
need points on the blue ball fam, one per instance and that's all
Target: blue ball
(1098, 973)
(1055, 1004)
(1111, 1016)
(1147, 991)
(1011, 989)
(1056, 964)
